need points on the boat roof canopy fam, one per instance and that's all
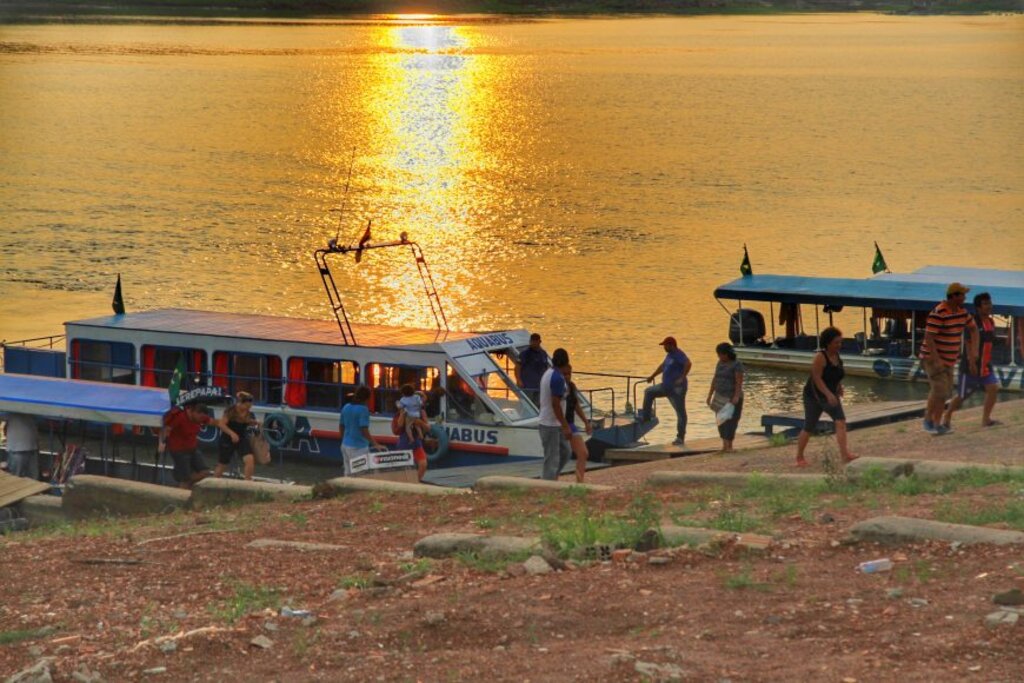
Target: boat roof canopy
(267, 328)
(73, 399)
(913, 292)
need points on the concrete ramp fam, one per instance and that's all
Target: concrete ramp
(89, 495)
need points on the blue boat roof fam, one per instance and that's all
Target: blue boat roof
(80, 400)
(977, 278)
(896, 292)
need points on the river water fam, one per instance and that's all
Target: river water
(591, 179)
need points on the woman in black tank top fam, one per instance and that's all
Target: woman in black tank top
(823, 393)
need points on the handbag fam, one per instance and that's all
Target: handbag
(260, 448)
(718, 401)
(725, 414)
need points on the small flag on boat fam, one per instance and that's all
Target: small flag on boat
(745, 268)
(878, 265)
(118, 302)
(363, 241)
(174, 388)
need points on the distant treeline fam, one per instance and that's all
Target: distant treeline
(14, 9)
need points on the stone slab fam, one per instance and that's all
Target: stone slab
(444, 545)
(929, 470)
(89, 495)
(730, 479)
(212, 492)
(301, 546)
(500, 482)
(896, 530)
(693, 536)
(697, 536)
(353, 484)
(41, 510)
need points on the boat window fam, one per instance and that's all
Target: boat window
(103, 361)
(320, 382)
(385, 382)
(158, 364)
(258, 374)
(492, 382)
(505, 394)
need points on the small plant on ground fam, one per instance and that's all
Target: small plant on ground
(743, 580)
(485, 523)
(420, 566)
(245, 599)
(490, 563)
(354, 581)
(574, 534)
(776, 440)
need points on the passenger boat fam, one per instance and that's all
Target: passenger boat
(889, 311)
(301, 373)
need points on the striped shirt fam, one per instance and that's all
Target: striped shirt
(947, 327)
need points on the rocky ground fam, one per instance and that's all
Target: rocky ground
(186, 597)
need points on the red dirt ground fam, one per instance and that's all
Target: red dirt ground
(799, 611)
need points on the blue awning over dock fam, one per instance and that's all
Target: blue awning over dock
(894, 291)
(80, 400)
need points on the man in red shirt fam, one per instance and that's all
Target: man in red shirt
(180, 437)
(943, 337)
(984, 378)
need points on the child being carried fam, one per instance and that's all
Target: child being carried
(412, 415)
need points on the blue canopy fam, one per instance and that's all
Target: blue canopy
(888, 292)
(80, 400)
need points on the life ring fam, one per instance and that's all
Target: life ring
(278, 429)
(439, 433)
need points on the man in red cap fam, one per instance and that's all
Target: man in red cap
(673, 370)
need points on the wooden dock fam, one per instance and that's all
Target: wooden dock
(857, 416)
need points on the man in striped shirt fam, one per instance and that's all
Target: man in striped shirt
(943, 336)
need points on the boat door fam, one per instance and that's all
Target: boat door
(490, 385)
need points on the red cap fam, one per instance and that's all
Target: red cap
(668, 340)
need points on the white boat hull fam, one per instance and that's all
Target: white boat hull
(1011, 377)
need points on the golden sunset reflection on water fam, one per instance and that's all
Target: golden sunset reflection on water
(427, 109)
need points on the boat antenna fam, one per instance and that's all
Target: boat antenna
(344, 196)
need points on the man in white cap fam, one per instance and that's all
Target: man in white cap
(943, 336)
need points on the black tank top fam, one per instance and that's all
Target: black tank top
(832, 375)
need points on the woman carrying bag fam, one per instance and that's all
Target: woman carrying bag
(725, 396)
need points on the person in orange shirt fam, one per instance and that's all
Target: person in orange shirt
(984, 378)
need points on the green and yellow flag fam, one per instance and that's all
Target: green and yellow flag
(879, 265)
(745, 268)
(174, 388)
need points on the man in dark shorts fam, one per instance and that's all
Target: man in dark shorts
(180, 437)
(968, 382)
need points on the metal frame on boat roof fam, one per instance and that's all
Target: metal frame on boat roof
(334, 296)
(892, 293)
(260, 327)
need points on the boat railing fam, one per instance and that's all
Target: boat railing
(49, 342)
(606, 400)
